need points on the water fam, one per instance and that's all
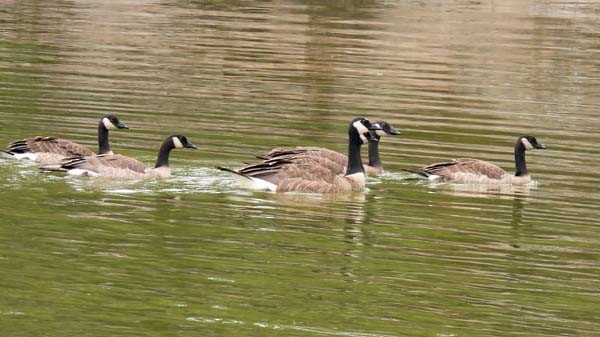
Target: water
(194, 255)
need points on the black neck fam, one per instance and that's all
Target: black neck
(354, 161)
(163, 153)
(374, 160)
(103, 145)
(520, 163)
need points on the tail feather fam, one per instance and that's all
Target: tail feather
(418, 172)
(249, 182)
(225, 169)
(52, 168)
(7, 153)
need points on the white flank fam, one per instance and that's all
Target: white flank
(433, 177)
(108, 124)
(177, 143)
(160, 172)
(251, 183)
(358, 177)
(80, 172)
(527, 144)
(26, 155)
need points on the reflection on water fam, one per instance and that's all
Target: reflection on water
(404, 258)
(484, 191)
(517, 215)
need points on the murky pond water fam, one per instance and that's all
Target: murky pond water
(193, 255)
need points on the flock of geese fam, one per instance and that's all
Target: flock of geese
(299, 169)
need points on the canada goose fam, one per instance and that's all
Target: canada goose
(468, 170)
(51, 150)
(314, 176)
(119, 166)
(299, 153)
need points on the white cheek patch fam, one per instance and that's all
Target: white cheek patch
(358, 125)
(108, 124)
(364, 139)
(527, 144)
(177, 143)
(381, 133)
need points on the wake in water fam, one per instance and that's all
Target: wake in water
(458, 189)
(182, 181)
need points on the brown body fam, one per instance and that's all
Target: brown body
(312, 170)
(114, 166)
(303, 174)
(333, 160)
(52, 150)
(469, 170)
(119, 166)
(336, 161)
(48, 150)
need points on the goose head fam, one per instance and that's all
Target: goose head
(181, 142)
(363, 128)
(113, 122)
(386, 130)
(530, 143)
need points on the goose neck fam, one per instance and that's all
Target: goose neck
(374, 160)
(163, 154)
(354, 159)
(103, 143)
(520, 163)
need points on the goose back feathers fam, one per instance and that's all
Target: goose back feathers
(469, 170)
(334, 160)
(51, 150)
(48, 150)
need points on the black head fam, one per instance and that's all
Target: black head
(111, 122)
(364, 128)
(386, 129)
(180, 142)
(530, 143)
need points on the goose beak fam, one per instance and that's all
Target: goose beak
(394, 131)
(191, 146)
(122, 125)
(540, 146)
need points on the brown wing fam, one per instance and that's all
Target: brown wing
(53, 145)
(449, 170)
(300, 154)
(481, 167)
(288, 167)
(96, 163)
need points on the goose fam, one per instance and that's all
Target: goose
(51, 150)
(300, 153)
(119, 166)
(280, 174)
(469, 170)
